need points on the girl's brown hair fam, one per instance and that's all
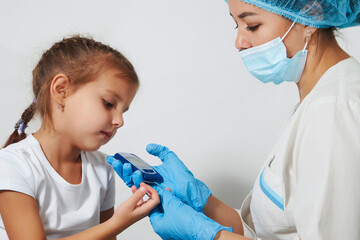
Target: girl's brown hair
(82, 60)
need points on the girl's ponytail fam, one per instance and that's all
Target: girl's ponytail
(21, 125)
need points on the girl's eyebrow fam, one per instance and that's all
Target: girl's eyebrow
(113, 93)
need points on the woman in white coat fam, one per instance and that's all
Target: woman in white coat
(308, 187)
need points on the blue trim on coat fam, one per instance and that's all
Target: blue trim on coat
(273, 196)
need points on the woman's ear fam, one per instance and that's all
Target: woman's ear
(309, 31)
(60, 87)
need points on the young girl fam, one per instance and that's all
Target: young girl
(54, 183)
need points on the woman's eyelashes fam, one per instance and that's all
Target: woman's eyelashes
(252, 28)
(249, 28)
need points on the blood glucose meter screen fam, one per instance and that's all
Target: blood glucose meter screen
(138, 163)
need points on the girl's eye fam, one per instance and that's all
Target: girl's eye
(252, 28)
(107, 104)
(236, 27)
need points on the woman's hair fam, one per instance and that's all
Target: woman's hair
(82, 60)
(327, 33)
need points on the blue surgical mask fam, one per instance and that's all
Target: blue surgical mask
(269, 63)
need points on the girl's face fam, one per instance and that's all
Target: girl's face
(94, 112)
(256, 26)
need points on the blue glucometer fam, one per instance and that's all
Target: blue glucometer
(150, 176)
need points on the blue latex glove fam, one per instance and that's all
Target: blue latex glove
(125, 172)
(177, 177)
(177, 220)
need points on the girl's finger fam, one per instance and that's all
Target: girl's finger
(153, 196)
(137, 196)
(133, 188)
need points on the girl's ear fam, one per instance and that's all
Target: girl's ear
(60, 87)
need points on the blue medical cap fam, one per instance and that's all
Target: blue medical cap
(314, 13)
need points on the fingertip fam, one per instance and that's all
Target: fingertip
(148, 188)
(154, 148)
(116, 164)
(127, 170)
(133, 188)
(110, 159)
(158, 151)
(137, 173)
(139, 192)
(150, 147)
(137, 178)
(127, 166)
(142, 189)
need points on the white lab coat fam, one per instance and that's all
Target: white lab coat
(309, 187)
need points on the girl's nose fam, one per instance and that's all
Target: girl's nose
(118, 120)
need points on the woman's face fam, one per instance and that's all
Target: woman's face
(256, 26)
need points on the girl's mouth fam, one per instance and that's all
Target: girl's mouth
(107, 135)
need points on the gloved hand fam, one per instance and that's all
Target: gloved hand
(179, 179)
(125, 172)
(177, 220)
(176, 176)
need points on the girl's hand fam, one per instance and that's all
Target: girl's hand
(135, 208)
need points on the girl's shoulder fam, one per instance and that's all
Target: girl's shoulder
(18, 165)
(23, 151)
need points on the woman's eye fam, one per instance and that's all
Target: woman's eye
(107, 104)
(252, 28)
(236, 27)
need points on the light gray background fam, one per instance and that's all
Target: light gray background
(196, 97)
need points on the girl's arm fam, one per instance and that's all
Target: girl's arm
(21, 218)
(106, 215)
(223, 214)
(20, 215)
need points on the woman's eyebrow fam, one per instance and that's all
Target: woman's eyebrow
(245, 14)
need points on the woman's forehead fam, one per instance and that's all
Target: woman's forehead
(242, 10)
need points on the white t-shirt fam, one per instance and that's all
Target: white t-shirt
(65, 209)
(309, 187)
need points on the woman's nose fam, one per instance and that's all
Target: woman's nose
(241, 43)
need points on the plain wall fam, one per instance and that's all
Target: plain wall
(196, 96)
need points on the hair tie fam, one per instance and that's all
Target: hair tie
(17, 125)
(34, 100)
(23, 127)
